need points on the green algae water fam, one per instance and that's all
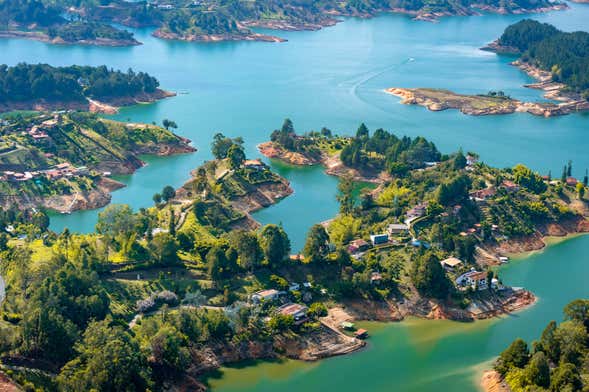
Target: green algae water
(335, 78)
(426, 355)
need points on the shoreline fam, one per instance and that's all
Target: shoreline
(43, 37)
(329, 20)
(563, 102)
(436, 100)
(216, 37)
(108, 106)
(331, 163)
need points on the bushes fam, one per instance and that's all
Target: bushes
(317, 309)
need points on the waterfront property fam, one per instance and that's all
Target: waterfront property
(475, 279)
(297, 311)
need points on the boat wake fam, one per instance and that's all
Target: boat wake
(355, 83)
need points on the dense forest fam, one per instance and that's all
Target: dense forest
(26, 82)
(385, 151)
(555, 362)
(36, 16)
(564, 54)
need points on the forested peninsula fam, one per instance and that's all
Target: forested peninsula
(193, 283)
(43, 21)
(213, 20)
(554, 362)
(97, 89)
(559, 62)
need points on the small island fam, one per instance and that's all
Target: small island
(226, 190)
(37, 21)
(554, 58)
(94, 89)
(63, 161)
(492, 103)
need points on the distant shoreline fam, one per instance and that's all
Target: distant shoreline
(42, 37)
(107, 106)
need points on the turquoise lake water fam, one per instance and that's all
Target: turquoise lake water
(335, 78)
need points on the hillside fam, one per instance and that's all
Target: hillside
(34, 19)
(213, 20)
(60, 161)
(542, 47)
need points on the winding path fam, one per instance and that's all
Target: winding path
(2, 290)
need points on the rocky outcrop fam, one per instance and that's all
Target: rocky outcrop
(262, 196)
(274, 151)
(484, 105)
(536, 241)
(97, 197)
(496, 47)
(493, 382)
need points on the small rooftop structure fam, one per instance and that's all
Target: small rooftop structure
(397, 228)
(451, 263)
(265, 295)
(254, 164)
(471, 160)
(375, 278)
(378, 239)
(483, 194)
(297, 311)
(509, 185)
(361, 333)
(347, 325)
(417, 211)
(571, 181)
(358, 245)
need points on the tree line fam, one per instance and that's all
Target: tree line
(565, 55)
(27, 82)
(557, 361)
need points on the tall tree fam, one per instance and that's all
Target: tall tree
(236, 156)
(275, 244)
(316, 245)
(345, 195)
(430, 278)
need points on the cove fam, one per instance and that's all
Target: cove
(433, 355)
